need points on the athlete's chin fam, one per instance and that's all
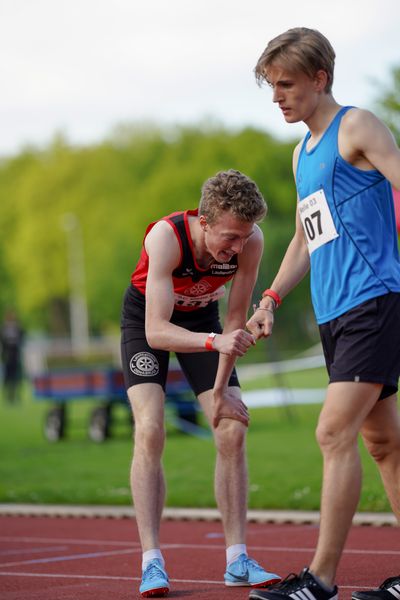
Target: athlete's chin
(224, 256)
(291, 118)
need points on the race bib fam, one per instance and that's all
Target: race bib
(317, 221)
(196, 300)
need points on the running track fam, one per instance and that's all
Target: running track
(99, 559)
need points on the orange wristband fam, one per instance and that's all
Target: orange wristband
(275, 297)
(209, 341)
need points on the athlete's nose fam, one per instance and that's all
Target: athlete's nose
(237, 247)
(276, 95)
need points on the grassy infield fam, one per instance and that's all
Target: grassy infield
(284, 460)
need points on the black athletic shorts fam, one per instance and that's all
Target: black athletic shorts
(143, 364)
(363, 344)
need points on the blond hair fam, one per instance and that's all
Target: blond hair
(235, 192)
(299, 49)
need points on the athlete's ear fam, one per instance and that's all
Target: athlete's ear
(320, 80)
(203, 222)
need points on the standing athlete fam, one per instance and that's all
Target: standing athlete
(346, 234)
(172, 305)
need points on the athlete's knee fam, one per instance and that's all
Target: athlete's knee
(333, 437)
(149, 437)
(381, 445)
(230, 436)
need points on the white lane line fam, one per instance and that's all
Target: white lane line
(273, 549)
(136, 546)
(33, 550)
(53, 559)
(64, 576)
(46, 540)
(108, 577)
(122, 578)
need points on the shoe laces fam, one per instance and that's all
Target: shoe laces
(387, 583)
(253, 563)
(153, 571)
(291, 582)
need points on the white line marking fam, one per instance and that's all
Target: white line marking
(108, 577)
(272, 549)
(5, 538)
(33, 550)
(122, 578)
(136, 546)
(52, 559)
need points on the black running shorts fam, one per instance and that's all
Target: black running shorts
(143, 364)
(363, 344)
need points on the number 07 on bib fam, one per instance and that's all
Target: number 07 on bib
(317, 221)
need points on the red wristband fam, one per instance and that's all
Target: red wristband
(276, 297)
(209, 341)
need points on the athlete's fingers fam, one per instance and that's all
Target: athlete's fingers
(256, 328)
(234, 417)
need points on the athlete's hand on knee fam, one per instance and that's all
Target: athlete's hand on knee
(227, 405)
(235, 343)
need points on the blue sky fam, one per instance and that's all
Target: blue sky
(83, 66)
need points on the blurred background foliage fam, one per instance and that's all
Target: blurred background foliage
(114, 189)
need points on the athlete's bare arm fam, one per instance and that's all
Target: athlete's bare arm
(293, 268)
(163, 250)
(228, 404)
(367, 143)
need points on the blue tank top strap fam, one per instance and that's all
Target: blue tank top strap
(331, 133)
(334, 126)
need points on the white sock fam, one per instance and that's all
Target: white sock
(233, 552)
(149, 555)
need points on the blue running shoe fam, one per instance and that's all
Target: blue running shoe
(246, 571)
(155, 582)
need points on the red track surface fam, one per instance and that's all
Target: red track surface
(99, 559)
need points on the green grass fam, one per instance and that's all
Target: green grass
(284, 460)
(309, 378)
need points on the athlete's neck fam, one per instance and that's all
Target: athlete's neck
(321, 118)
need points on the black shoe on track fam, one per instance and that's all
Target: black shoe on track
(296, 587)
(388, 590)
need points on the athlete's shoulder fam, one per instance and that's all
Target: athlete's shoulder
(356, 119)
(175, 216)
(160, 235)
(360, 131)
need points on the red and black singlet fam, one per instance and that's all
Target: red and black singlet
(194, 287)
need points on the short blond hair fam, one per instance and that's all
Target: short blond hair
(235, 192)
(299, 49)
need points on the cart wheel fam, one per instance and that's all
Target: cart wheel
(54, 425)
(100, 423)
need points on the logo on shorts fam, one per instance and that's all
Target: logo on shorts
(144, 364)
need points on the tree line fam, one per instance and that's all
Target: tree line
(114, 189)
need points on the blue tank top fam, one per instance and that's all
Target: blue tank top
(361, 260)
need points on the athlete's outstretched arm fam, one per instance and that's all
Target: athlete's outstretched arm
(294, 266)
(227, 404)
(164, 254)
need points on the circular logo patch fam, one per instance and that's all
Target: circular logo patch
(144, 364)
